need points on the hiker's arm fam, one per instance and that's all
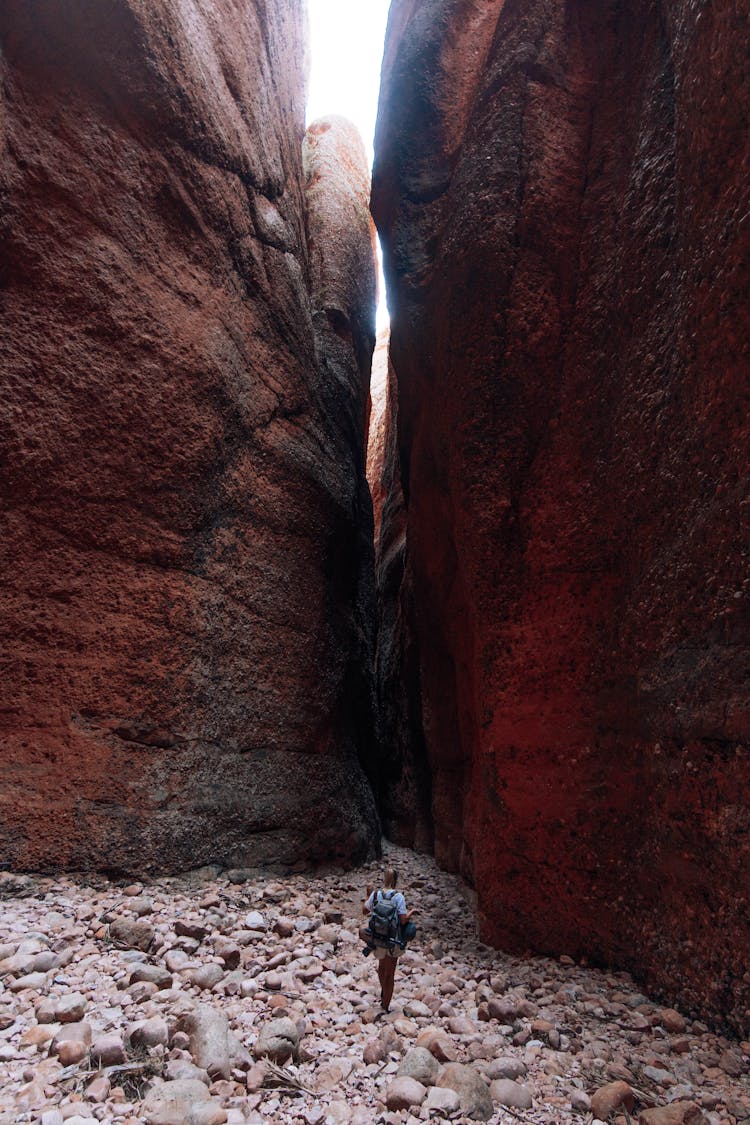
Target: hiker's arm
(404, 918)
(370, 889)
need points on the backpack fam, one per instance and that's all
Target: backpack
(384, 924)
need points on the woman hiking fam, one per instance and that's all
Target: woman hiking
(388, 952)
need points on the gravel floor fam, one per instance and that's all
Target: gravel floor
(149, 1004)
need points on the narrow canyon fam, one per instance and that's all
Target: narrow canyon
(273, 589)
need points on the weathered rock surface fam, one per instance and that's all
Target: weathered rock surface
(186, 533)
(343, 284)
(473, 1092)
(176, 1103)
(278, 1041)
(207, 1029)
(420, 1064)
(403, 778)
(561, 195)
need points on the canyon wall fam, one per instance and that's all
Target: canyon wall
(403, 782)
(186, 654)
(562, 195)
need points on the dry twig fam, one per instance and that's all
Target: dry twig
(279, 1079)
(645, 1098)
(512, 1112)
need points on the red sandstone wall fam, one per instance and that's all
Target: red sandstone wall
(403, 782)
(378, 428)
(562, 195)
(185, 646)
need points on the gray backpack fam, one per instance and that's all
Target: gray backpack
(384, 925)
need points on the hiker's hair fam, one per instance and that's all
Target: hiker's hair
(390, 876)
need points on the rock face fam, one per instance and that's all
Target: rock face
(186, 662)
(561, 197)
(341, 246)
(403, 778)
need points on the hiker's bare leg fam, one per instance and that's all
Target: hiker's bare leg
(382, 977)
(386, 981)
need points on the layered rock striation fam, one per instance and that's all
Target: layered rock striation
(562, 197)
(186, 654)
(403, 779)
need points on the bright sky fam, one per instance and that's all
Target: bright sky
(346, 38)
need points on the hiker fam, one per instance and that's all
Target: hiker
(387, 946)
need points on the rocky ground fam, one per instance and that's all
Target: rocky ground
(236, 998)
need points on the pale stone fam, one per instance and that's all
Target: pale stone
(417, 1010)
(177, 1069)
(108, 1050)
(473, 1092)
(98, 1090)
(207, 1030)
(38, 1035)
(70, 1009)
(31, 982)
(206, 977)
(278, 1040)
(149, 1033)
(374, 1051)
(420, 1064)
(177, 959)
(142, 906)
(404, 1092)
(71, 1033)
(152, 974)
(442, 1100)
(504, 1091)
(339, 1113)
(506, 1067)
(71, 1051)
(52, 1117)
(174, 1103)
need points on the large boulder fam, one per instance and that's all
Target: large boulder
(420, 1064)
(186, 545)
(473, 1092)
(182, 1102)
(560, 199)
(213, 1047)
(278, 1041)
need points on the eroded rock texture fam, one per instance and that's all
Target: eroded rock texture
(341, 246)
(562, 193)
(182, 473)
(403, 780)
